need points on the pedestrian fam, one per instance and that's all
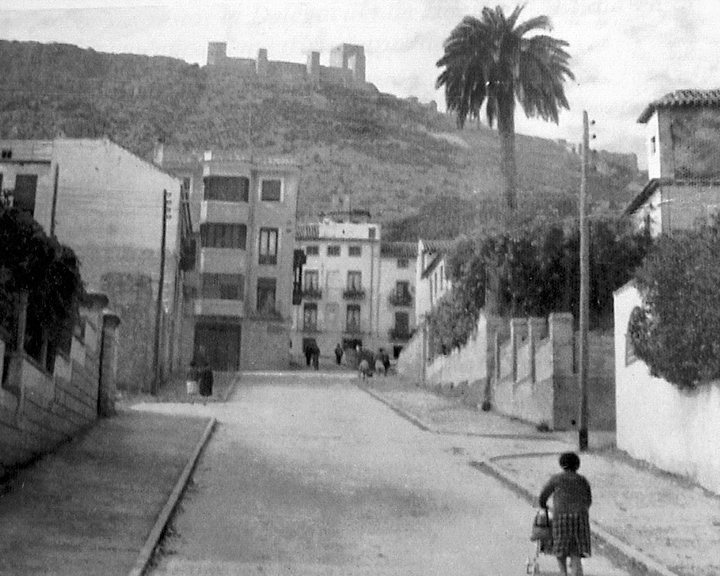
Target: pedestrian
(379, 362)
(308, 355)
(338, 353)
(572, 498)
(205, 375)
(316, 357)
(192, 379)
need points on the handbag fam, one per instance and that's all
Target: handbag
(542, 526)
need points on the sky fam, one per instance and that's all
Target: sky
(624, 54)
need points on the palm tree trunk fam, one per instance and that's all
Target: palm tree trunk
(506, 130)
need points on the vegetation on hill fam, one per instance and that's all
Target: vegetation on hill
(406, 163)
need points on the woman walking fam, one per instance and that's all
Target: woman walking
(572, 498)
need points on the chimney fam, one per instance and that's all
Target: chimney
(159, 152)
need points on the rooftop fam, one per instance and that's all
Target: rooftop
(682, 99)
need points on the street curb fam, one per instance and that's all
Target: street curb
(410, 417)
(230, 389)
(146, 553)
(620, 547)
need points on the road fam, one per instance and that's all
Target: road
(308, 475)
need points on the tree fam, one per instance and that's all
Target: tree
(491, 60)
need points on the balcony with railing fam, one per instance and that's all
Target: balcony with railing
(400, 299)
(310, 328)
(311, 293)
(353, 328)
(353, 293)
(218, 307)
(399, 334)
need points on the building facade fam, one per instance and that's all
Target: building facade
(683, 143)
(431, 281)
(242, 280)
(356, 290)
(108, 205)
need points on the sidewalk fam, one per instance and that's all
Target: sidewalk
(664, 523)
(92, 507)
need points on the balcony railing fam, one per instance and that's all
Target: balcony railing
(311, 293)
(354, 294)
(401, 334)
(310, 328)
(353, 329)
(402, 299)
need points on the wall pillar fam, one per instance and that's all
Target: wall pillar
(518, 331)
(108, 364)
(535, 329)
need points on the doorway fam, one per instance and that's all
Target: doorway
(222, 345)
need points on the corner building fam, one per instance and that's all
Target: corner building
(241, 286)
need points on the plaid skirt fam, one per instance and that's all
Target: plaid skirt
(571, 535)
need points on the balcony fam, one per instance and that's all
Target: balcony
(216, 307)
(222, 260)
(399, 334)
(353, 329)
(224, 212)
(312, 293)
(400, 299)
(354, 294)
(310, 329)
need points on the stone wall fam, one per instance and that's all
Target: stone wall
(39, 410)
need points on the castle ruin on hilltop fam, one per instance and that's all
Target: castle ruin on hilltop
(347, 66)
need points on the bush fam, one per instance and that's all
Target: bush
(677, 330)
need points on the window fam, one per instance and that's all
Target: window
(267, 252)
(403, 263)
(355, 251)
(653, 145)
(24, 194)
(312, 281)
(223, 286)
(312, 250)
(333, 250)
(310, 316)
(402, 289)
(354, 281)
(266, 288)
(353, 318)
(270, 190)
(402, 323)
(213, 235)
(6, 154)
(226, 188)
(371, 233)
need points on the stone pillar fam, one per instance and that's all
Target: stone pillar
(261, 64)
(313, 67)
(535, 330)
(562, 337)
(518, 330)
(108, 364)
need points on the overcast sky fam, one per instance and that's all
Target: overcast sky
(624, 53)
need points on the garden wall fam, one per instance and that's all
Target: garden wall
(675, 430)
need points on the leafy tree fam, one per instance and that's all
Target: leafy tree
(491, 60)
(677, 330)
(32, 262)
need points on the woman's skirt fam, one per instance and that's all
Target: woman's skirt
(571, 534)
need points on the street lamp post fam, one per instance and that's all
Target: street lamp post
(584, 292)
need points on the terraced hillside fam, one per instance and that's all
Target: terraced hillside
(399, 158)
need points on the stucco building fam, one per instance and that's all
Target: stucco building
(355, 288)
(431, 281)
(683, 147)
(242, 280)
(107, 204)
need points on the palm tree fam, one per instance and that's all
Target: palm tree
(492, 61)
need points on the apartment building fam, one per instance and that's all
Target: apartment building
(356, 290)
(241, 285)
(431, 279)
(108, 205)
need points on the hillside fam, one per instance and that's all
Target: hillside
(400, 159)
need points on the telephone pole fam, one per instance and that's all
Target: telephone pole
(157, 364)
(584, 291)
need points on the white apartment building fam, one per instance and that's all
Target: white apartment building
(431, 281)
(355, 289)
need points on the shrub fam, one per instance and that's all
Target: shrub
(677, 330)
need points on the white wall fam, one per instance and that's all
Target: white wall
(676, 431)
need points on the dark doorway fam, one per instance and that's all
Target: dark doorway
(222, 345)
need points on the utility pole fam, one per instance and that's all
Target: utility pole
(53, 211)
(157, 365)
(584, 291)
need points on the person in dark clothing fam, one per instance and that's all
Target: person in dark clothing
(572, 498)
(316, 357)
(338, 353)
(205, 375)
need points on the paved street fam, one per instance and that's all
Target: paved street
(306, 474)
